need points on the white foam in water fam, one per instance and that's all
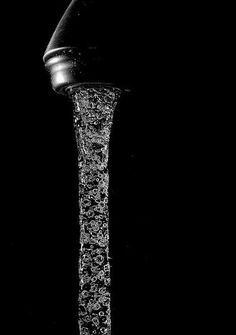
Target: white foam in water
(93, 114)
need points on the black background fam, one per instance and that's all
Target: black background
(160, 183)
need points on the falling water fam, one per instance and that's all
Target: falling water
(93, 115)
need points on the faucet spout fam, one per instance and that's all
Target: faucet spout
(90, 45)
(63, 57)
(79, 50)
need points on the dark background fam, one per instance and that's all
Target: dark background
(160, 182)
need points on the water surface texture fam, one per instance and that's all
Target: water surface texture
(93, 115)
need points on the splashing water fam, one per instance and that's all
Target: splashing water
(93, 115)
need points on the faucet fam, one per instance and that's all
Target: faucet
(85, 47)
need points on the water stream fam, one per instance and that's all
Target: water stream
(93, 115)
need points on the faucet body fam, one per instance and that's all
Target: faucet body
(86, 46)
